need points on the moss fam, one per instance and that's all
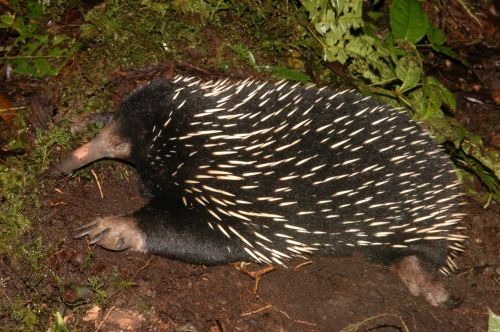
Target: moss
(13, 222)
(23, 317)
(19, 187)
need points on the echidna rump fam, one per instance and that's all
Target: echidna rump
(262, 171)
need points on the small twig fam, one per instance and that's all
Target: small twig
(8, 109)
(98, 184)
(257, 311)
(255, 275)
(305, 323)
(316, 37)
(488, 201)
(143, 267)
(469, 12)
(104, 319)
(284, 314)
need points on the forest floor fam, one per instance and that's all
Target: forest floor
(144, 292)
(97, 290)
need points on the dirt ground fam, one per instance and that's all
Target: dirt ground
(99, 290)
(150, 293)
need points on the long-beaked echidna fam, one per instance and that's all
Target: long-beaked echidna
(264, 171)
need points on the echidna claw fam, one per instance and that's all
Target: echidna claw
(114, 233)
(98, 237)
(86, 229)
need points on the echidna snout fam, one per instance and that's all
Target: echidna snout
(105, 145)
(264, 171)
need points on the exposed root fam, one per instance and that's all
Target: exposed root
(256, 275)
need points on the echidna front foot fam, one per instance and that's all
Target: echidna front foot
(114, 233)
(420, 282)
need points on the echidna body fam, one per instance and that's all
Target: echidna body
(265, 171)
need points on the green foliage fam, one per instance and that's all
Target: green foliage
(437, 38)
(58, 325)
(204, 8)
(409, 71)
(97, 286)
(13, 181)
(129, 35)
(335, 23)
(119, 282)
(493, 322)
(17, 180)
(19, 189)
(33, 253)
(212, 34)
(31, 50)
(24, 318)
(45, 141)
(408, 20)
(244, 54)
(290, 74)
(392, 66)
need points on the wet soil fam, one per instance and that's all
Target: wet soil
(145, 292)
(99, 290)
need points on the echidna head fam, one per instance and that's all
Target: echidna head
(140, 113)
(126, 132)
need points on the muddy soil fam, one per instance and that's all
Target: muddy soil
(145, 292)
(99, 290)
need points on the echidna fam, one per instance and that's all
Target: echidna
(263, 171)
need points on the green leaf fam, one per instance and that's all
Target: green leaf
(446, 96)
(437, 38)
(22, 66)
(36, 9)
(33, 46)
(290, 74)
(408, 20)
(55, 52)
(426, 105)
(42, 67)
(408, 70)
(58, 39)
(493, 322)
(435, 35)
(340, 17)
(443, 49)
(25, 30)
(6, 21)
(435, 95)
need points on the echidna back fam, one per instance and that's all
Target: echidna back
(290, 170)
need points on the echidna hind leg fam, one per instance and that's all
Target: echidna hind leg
(420, 282)
(115, 233)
